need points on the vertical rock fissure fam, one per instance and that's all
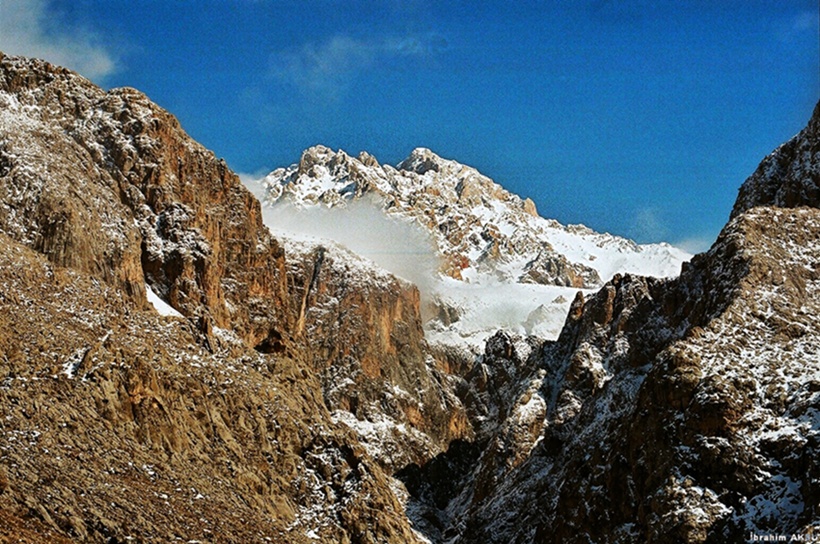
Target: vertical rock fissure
(314, 280)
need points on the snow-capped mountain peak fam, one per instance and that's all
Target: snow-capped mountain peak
(499, 263)
(479, 228)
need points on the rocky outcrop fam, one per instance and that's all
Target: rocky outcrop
(108, 183)
(110, 189)
(298, 379)
(122, 425)
(680, 410)
(789, 177)
(361, 330)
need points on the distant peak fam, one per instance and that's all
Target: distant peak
(317, 151)
(317, 154)
(367, 159)
(421, 160)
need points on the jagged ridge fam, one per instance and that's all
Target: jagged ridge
(681, 410)
(478, 226)
(107, 186)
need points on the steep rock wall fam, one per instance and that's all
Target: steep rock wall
(680, 410)
(108, 183)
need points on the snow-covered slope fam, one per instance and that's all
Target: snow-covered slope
(668, 410)
(478, 227)
(501, 264)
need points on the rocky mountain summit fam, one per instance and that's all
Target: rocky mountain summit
(495, 263)
(478, 227)
(171, 371)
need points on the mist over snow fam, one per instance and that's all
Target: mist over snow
(455, 313)
(398, 246)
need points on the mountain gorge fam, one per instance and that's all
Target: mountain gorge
(296, 395)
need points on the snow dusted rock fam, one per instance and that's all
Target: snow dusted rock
(519, 270)
(674, 410)
(667, 410)
(109, 183)
(360, 329)
(478, 227)
(109, 188)
(789, 176)
(151, 436)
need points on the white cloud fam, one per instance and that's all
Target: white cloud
(25, 30)
(326, 66)
(331, 66)
(398, 246)
(695, 245)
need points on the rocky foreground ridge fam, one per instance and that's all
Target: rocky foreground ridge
(678, 410)
(114, 414)
(297, 401)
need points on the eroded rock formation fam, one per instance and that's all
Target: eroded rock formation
(680, 410)
(111, 191)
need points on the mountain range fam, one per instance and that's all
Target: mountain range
(512, 268)
(170, 370)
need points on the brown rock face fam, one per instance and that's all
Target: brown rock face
(120, 425)
(121, 192)
(789, 177)
(110, 190)
(108, 183)
(360, 328)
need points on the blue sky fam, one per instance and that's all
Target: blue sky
(635, 117)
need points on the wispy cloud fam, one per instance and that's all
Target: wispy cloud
(807, 20)
(26, 29)
(805, 23)
(648, 226)
(323, 67)
(330, 67)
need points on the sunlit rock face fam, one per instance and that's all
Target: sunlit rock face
(283, 390)
(259, 393)
(678, 410)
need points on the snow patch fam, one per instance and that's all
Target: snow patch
(162, 307)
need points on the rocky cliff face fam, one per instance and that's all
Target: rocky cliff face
(788, 177)
(360, 329)
(121, 425)
(478, 227)
(298, 379)
(682, 410)
(294, 348)
(109, 184)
